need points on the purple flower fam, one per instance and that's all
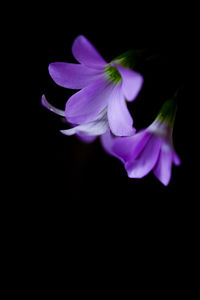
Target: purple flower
(86, 132)
(104, 88)
(149, 149)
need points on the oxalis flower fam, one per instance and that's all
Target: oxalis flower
(149, 149)
(104, 89)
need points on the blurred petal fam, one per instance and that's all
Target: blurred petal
(120, 120)
(131, 82)
(176, 159)
(107, 140)
(146, 160)
(162, 170)
(86, 53)
(96, 127)
(52, 108)
(86, 104)
(86, 138)
(72, 76)
(128, 148)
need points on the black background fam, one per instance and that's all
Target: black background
(82, 176)
(75, 194)
(84, 170)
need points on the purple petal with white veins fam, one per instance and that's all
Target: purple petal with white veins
(52, 108)
(131, 82)
(146, 160)
(128, 148)
(162, 169)
(72, 76)
(86, 104)
(96, 127)
(120, 120)
(86, 53)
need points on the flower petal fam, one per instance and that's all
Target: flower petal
(146, 160)
(86, 53)
(128, 148)
(176, 159)
(72, 76)
(162, 170)
(52, 108)
(131, 82)
(86, 104)
(119, 118)
(96, 127)
(86, 138)
(107, 141)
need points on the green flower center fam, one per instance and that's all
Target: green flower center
(113, 74)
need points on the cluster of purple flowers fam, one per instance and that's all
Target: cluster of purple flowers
(99, 108)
